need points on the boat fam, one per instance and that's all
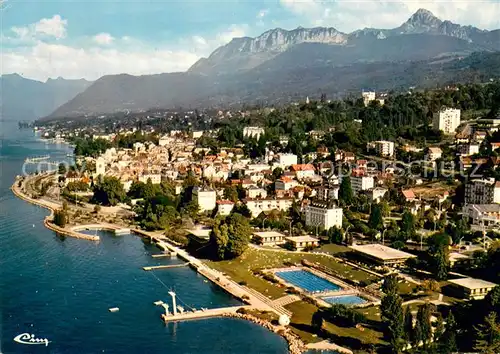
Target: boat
(114, 309)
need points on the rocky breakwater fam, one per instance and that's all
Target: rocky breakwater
(295, 344)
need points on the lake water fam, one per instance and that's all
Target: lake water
(61, 288)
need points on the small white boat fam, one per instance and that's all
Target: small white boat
(114, 309)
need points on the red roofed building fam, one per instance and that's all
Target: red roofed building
(303, 171)
(224, 207)
(409, 195)
(285, 183)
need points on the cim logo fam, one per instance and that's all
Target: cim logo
(30, 339)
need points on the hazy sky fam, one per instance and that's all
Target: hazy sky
(75, 39)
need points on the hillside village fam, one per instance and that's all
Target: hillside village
(425, 211)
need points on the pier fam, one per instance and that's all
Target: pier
(37, 159)
(162, 255)
(166, 266)
(199, 314)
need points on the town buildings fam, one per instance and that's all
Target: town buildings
(447, 120)
(382, 255)
(253, 132)
(361, 182)
(472, 288)
(482, 191)
(323, 215)
(382, 147)
(205, 197)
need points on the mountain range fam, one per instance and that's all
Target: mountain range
(25, 99)
(281, 65)
(340, 48)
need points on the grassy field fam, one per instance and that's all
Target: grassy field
(346, 336)
(241, 269)
(334, 249)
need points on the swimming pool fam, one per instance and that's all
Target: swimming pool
(307, 281)
(345, 300)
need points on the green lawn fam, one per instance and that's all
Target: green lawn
(345, 336)
(334, 249)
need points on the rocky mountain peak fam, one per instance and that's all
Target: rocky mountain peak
(421, 21)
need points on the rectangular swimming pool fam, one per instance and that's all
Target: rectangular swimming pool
(307, 281)
(345, 300)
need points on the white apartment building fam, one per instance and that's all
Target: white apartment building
(285, 160)
(447, 120)
(368, 96)
(482, 191)
(257, 206)
(382, 147)
(323, 215)
(256, 192)
(155, 178)
(253, 132)
(285, 183)
(303, 171)
(327, 193)
(468, 149)
(361, 183)
(100, 166)
(206, 198)
(197, 134)
(224, 207)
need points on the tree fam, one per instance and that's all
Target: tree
(488, 335)
(108, 191)
(60, 218)
(230, 236)
(242, 209)
(335, 235)
(390, 284)
(231, 193)
(439, 254)
(448, 339)
(439, 331)
(61, 169)
(317, 320)
(408, 325)
(277, 173)
(423, 326)
(492, 300)
(392, 315)
(386, 209)
(345, 191)
(407, 225)
(376, 220)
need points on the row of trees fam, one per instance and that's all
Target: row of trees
(404, 331)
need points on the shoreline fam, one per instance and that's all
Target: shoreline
(295, 344)
(46, 221)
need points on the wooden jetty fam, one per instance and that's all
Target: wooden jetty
(166, 266)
